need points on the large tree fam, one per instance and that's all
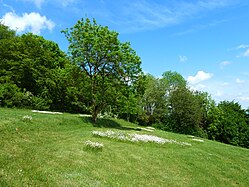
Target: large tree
(155, 100)
(106, 61)
(186, 113)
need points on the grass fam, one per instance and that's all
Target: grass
(49, 150)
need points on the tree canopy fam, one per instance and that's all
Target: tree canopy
(107, 62)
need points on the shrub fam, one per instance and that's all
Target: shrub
(39, 103)
(10, 95)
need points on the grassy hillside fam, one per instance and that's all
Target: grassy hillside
(50, 150)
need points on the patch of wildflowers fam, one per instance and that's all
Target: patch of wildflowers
(27, 118)
(94, 145)
(118, 135)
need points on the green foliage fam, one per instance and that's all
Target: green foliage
(36, 67)
(6, 32)
(155, 99)
(11, 95)
(107, 63)
(228, 124)
(173, 80)
(28, 59)
(185, 111)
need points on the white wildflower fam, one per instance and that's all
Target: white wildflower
(184, 143)
(108, 133)
(27, 118)
(136, 137)
(20, 171)
(147, 138)
(197, 140)
(93, 145)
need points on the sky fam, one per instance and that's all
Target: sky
(206, 41)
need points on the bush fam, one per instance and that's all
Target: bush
(201, 133)
(11, 95)
(166, 126)
(39, 103)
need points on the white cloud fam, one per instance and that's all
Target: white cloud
(137, 15)
(243, 98)
(246, 53)
(32, 22)
(242, 46)
(199, 77)
(239, 81)
(219, 94)
(66, 2)
(224, 63)
(225, 84)
(37, 3)
(6, 6)
(200, 87)
(199, 27)
(183, 58)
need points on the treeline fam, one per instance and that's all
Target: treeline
(35, 73)
(169, 104)
(102, 75)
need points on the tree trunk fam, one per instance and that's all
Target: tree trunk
(94, 114)
(94, 107)
(128, 117)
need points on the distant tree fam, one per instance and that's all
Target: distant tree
(173, 80)
(186, 113)
(153, 100)
(106, 61)
(132, 103)
(229, 125)
(206, 103)
(214, 118)
(127, 106)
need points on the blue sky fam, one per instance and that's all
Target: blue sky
(207, 41)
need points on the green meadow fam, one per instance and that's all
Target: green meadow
(39, 149)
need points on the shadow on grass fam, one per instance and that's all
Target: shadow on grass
(107, 123)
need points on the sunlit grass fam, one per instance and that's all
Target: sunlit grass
(50, 150)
